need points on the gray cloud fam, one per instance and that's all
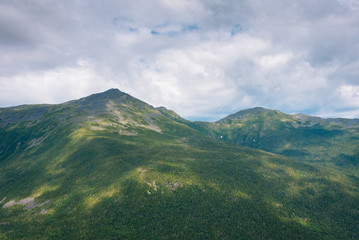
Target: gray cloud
(204, 59)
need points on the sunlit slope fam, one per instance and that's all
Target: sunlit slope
(112, 167)
(332, 142)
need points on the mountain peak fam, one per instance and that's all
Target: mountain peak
(112, 93)
(250, 111)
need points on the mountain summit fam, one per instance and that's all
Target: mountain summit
(109, 166)
(330, 141)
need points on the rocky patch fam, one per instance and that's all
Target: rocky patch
(35, 142)
(43, 211)
(153, 185)
(29, 203)
(172, 186)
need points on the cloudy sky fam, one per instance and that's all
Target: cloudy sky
(202, 58)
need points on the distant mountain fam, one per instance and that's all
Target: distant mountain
(332, 141)
(109, 166)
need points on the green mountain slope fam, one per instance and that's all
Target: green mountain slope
(109, 166)
(332, 142)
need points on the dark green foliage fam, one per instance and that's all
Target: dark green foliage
(114, 167)
(331, 142)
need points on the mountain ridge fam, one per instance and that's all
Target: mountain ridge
(260, 128)
(111, 166)
(116, 93)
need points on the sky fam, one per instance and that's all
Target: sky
(204, 59)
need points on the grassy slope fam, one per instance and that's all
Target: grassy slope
(103, 184)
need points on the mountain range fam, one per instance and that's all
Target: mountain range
(110, 166)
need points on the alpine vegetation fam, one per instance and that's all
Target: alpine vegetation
(110, 166)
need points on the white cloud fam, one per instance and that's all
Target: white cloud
(352, 4)
(200, 58)
(350, 93)
(126, 39)
(274, 61)
(53, 86)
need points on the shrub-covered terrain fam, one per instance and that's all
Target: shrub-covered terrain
(109, 166)
(330, 142)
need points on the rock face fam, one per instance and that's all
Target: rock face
(29, 203)
(25, 201)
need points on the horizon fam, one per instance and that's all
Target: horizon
(211, 119)
(204, 60)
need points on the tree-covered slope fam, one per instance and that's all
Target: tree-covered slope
(331, 142)
(112, 167)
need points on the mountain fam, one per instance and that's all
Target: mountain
(110, 166)
(333, 142)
